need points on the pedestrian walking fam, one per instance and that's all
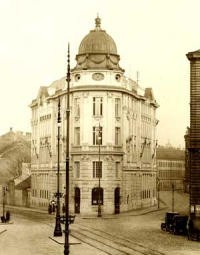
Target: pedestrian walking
(63, 208)
(50, 209)
(7, 216)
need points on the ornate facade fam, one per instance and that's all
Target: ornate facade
(112, 134)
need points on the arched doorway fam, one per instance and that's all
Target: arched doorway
(97, 196)
(77, 200)
(117, 200)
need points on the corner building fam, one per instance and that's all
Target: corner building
(112, 133)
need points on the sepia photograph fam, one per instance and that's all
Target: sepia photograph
(99, 127)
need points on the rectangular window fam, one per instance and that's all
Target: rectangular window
(77, 169)
(97, 106)
(117, 169)
(117, 107)
(97, 169)
(117, 136)
(77, 107)
(77, 136)
(97, 135)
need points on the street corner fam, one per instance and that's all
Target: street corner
(6, 223)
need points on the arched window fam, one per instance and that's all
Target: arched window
(97, 194)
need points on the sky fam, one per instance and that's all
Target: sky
(152, 38)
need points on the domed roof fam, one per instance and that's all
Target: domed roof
(97, 41)
(97, 50)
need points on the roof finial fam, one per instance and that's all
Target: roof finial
(98, 22)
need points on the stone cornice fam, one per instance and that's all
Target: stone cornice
(104, 88)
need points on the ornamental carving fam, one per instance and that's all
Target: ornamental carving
(97, 76)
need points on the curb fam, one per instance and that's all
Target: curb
(3, 231)
(138, 212)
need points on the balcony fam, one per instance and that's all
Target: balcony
(94, 149)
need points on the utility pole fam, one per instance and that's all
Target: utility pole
(172, 197)
(158, 191)
(66, 244)
(99, 175)
(58, 230)
(4, 195)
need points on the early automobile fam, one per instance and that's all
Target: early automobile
(167, 225)
(193, 227)
(179, 225)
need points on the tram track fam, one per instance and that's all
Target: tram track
(110, 244)
(106, 242)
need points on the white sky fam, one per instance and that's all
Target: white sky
(152, 37)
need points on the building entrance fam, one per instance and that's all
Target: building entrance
(117, 200)
(77, 200)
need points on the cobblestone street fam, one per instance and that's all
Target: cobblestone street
(30, 237)
(133, 233)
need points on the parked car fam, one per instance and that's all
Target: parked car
(179, 225)
(193, 227)
(167, 225)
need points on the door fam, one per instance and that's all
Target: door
(117, 200)
(77, 200)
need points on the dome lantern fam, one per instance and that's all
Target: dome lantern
(98, 23)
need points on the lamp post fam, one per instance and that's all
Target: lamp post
(99, 175)
(66, 243)
(58, 230)
(158, 192)
(4, 202)
(172, 197)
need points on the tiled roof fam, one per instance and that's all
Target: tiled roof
(170, 153)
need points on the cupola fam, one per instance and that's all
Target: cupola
(97, 50)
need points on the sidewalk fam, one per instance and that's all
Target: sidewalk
(136, 212)
(40, 240)
(19, 240)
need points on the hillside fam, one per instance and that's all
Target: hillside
(15, 149)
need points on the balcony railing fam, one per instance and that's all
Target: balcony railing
(95, 148)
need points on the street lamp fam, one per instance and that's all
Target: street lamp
(99, 136)
(158, 192)
(58, 230)
(4, 202)
(66, 243)
(172, 197)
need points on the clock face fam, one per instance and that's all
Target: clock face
(97, 76)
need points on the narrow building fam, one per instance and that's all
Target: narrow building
(112, 134)
(194, 134)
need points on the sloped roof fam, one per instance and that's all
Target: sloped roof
(170, 153)
(43, 91)
(149, 94)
